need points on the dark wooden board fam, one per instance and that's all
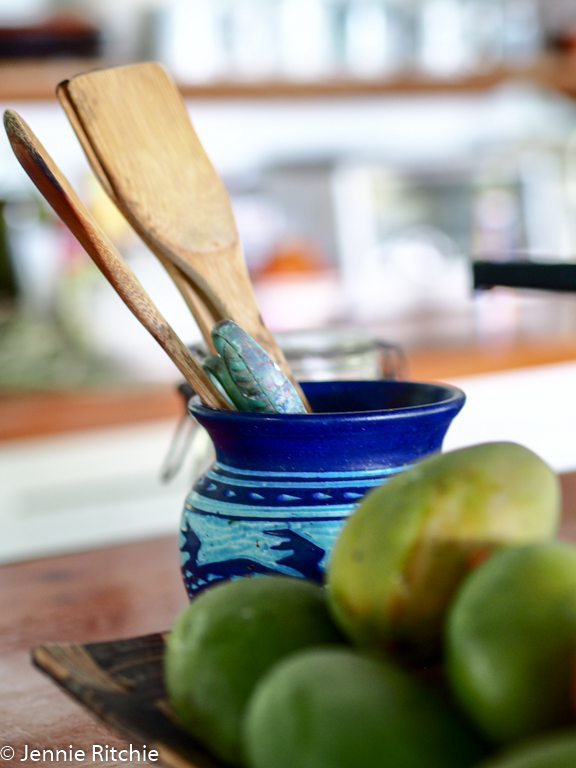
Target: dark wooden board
(121, 682)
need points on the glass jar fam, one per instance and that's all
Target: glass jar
(336, 354)
(328, 354)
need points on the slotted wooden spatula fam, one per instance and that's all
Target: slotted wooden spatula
(141, 138)
(54, 186)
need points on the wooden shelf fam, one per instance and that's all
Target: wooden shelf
(37, 80)
(557, 73)
(345, 86)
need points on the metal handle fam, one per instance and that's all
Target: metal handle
(394, 364)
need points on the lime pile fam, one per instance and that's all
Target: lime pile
(446, 636)
(227, 639)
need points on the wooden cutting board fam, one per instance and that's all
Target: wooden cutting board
(121, 683)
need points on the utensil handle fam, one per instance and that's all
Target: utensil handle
(56, 189)
(525, 274)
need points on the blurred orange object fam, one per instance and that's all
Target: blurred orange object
(294, 256)
(298, 287)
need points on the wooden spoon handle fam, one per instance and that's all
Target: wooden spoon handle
(55, 188)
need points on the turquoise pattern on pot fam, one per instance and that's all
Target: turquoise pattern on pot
(283, 485)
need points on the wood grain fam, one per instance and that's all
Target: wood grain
(141, 137)
(95, 596)
(122, 683)
(55, 188)
(201, 313)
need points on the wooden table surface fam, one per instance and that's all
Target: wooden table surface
(119, 591)
(103, 594)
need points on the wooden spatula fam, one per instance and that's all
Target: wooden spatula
(204, 318)
(142, 140)
(55, 188)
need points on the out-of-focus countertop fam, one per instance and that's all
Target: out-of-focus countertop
(83, 469)
(35, 413)
(439, 363)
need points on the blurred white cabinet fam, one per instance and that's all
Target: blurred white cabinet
(87, 489)
(532, 406)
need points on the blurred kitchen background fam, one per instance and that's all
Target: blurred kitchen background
(372, 150)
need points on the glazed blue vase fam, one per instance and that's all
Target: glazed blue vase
(283, 485)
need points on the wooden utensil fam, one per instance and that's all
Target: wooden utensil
(53, 185)
(142, 140)
(121, 682)
(201, 313)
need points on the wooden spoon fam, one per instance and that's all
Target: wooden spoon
(142, 140)
(56, 189)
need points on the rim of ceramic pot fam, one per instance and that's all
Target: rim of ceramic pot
(446, 397)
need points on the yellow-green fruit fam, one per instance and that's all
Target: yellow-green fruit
(511, 638)
(226, 639)
(404, 551)
(327, 708)
(557, 751)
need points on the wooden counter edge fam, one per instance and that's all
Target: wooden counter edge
(25, 414)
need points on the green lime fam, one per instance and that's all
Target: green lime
(226, 639)
(336, 708)
(511, 637)
(557, 751)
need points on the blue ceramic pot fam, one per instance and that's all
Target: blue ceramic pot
(283, 485)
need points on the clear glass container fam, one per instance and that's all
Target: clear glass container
(340, 353)
(314, 355)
